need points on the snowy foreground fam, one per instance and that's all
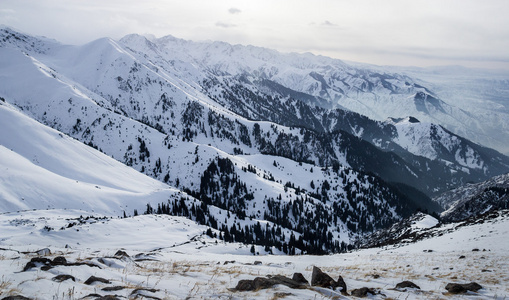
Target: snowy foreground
(172, 258)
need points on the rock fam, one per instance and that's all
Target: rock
(95, 296)
(46, 267)
(279, 279)
(140, 291)
(59, 261)
(260, 283)
(462, 257)
(44, 251)
(121, 253)
(16, 297)
(37, 261)
(457, 288)
(407, 284)
(472, 286)
(257, 263)
(298, 277)
(245, 285)
(107, 297)
(93, 279)
(63, 277)
(342, 284)
(321, 279)
(475, 250)
(363, 292)
(84, 263)
(113, 288)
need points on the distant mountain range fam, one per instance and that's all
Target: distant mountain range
(475, 199)
(260, 145)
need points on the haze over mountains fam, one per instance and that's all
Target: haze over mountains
(243, 135)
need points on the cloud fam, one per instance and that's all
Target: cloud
(225, 25)
(7, 15)
(234, 11)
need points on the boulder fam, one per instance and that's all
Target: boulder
(321, 279)
(245, 285)
(279, 279)
(458, 288)
(407, 284)
(472, 286)
(342, 284)
(455, 288)
(63, 277)
(93, 279)
(59, 261)
(260, 283)
(36, 262)
(363, 292)
(298, 277)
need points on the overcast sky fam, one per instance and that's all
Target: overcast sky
(389, 32)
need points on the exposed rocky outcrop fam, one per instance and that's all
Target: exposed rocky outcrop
(458, 288)
(260, 283)
(407, 284)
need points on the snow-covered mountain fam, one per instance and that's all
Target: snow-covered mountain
(482, 93)
(246, 151)
(470, 106)
(475, 198)
(245, 189)
(45, 169)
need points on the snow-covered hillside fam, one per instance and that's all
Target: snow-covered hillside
(43, 168)
(55, 253)
(481, 93)
(475, 198)
(162, 114)
(463, 103)
(436, 143)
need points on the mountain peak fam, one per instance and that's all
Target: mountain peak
(10, 37)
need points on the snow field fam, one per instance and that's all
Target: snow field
(174, 257)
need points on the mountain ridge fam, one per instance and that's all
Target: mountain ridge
(157, 116)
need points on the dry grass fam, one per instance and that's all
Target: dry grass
(280, 295)
(6, 288)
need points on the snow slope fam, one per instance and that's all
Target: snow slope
(171, 258)
(43, 168)
(147, 108)
(151, 119)
(470, 103)
(468, 191)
